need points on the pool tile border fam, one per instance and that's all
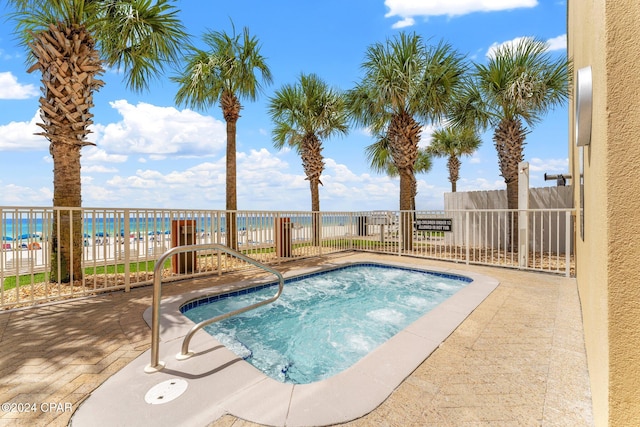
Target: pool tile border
(217, 297)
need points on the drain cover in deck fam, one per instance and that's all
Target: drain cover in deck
(166, 391)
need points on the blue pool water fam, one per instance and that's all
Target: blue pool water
(324, 322)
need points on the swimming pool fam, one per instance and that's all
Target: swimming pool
(220, 382)
(326, 321)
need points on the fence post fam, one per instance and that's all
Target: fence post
(320, 219)
(217, 232)
(127, 250)
(350, 230)
(400, 233)
(523, 214)
(568, 247)
(466, 238)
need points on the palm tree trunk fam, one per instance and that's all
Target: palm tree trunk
(69, 63)
(313, 164)
(66, 237)
(232, 202)
(231, 112)
(454, 172)
(509, 139)
(406, 207)
(404, 134)
(316, 225)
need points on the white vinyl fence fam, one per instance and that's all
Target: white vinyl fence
(120, 246)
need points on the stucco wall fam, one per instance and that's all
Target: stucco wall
(606, 35)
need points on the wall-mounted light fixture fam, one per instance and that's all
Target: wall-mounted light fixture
(583, 101)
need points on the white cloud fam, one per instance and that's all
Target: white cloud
(556, 43)
(156, 132)
(336, 172)
(549, 165)
(20, 136)
(101, 196)
(17, 195)
(345, 190)
(97, 156)
(160, 132)
(11, 89)
(495, 46)
(430, 197)
(427, 134)
(406, 22)
(264, 181)
(365, 131)
(98, 169)
(260, 161)
(480, 184)
(407, 9)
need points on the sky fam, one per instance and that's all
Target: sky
(153, 153)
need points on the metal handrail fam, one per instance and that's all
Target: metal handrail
(156, 364)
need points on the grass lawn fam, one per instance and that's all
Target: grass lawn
(9, 282)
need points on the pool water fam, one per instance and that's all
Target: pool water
(325, 322)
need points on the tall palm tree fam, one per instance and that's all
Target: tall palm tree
(405, 82)
(71, 42)
(305, 114)
(454, 142)
(521, 82)
(225, 74)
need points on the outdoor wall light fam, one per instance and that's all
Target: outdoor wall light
(583, 101)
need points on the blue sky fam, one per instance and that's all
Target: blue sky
(152, 153)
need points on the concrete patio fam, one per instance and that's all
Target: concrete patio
(518, 359)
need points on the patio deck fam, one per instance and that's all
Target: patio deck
(518, 359)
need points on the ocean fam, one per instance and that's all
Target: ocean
(25, 225)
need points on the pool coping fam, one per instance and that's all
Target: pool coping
(222, 383)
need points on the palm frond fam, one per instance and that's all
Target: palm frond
(522, 80)
(379, 156)
(139, 37)
(229, 64)
(454, 141)
(309, 107)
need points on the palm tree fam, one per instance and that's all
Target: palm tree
(225, 74)
(405, 82)
(304, 115)
(454, 142)
(71, 42)
(520, 82)
(380, 161)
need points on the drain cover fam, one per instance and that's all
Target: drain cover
(165, 392)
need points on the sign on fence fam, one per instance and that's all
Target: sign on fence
(434, 224)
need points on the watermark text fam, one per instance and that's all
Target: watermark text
(22, 407)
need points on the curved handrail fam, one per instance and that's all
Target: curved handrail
(185, 353)
(156, 364)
